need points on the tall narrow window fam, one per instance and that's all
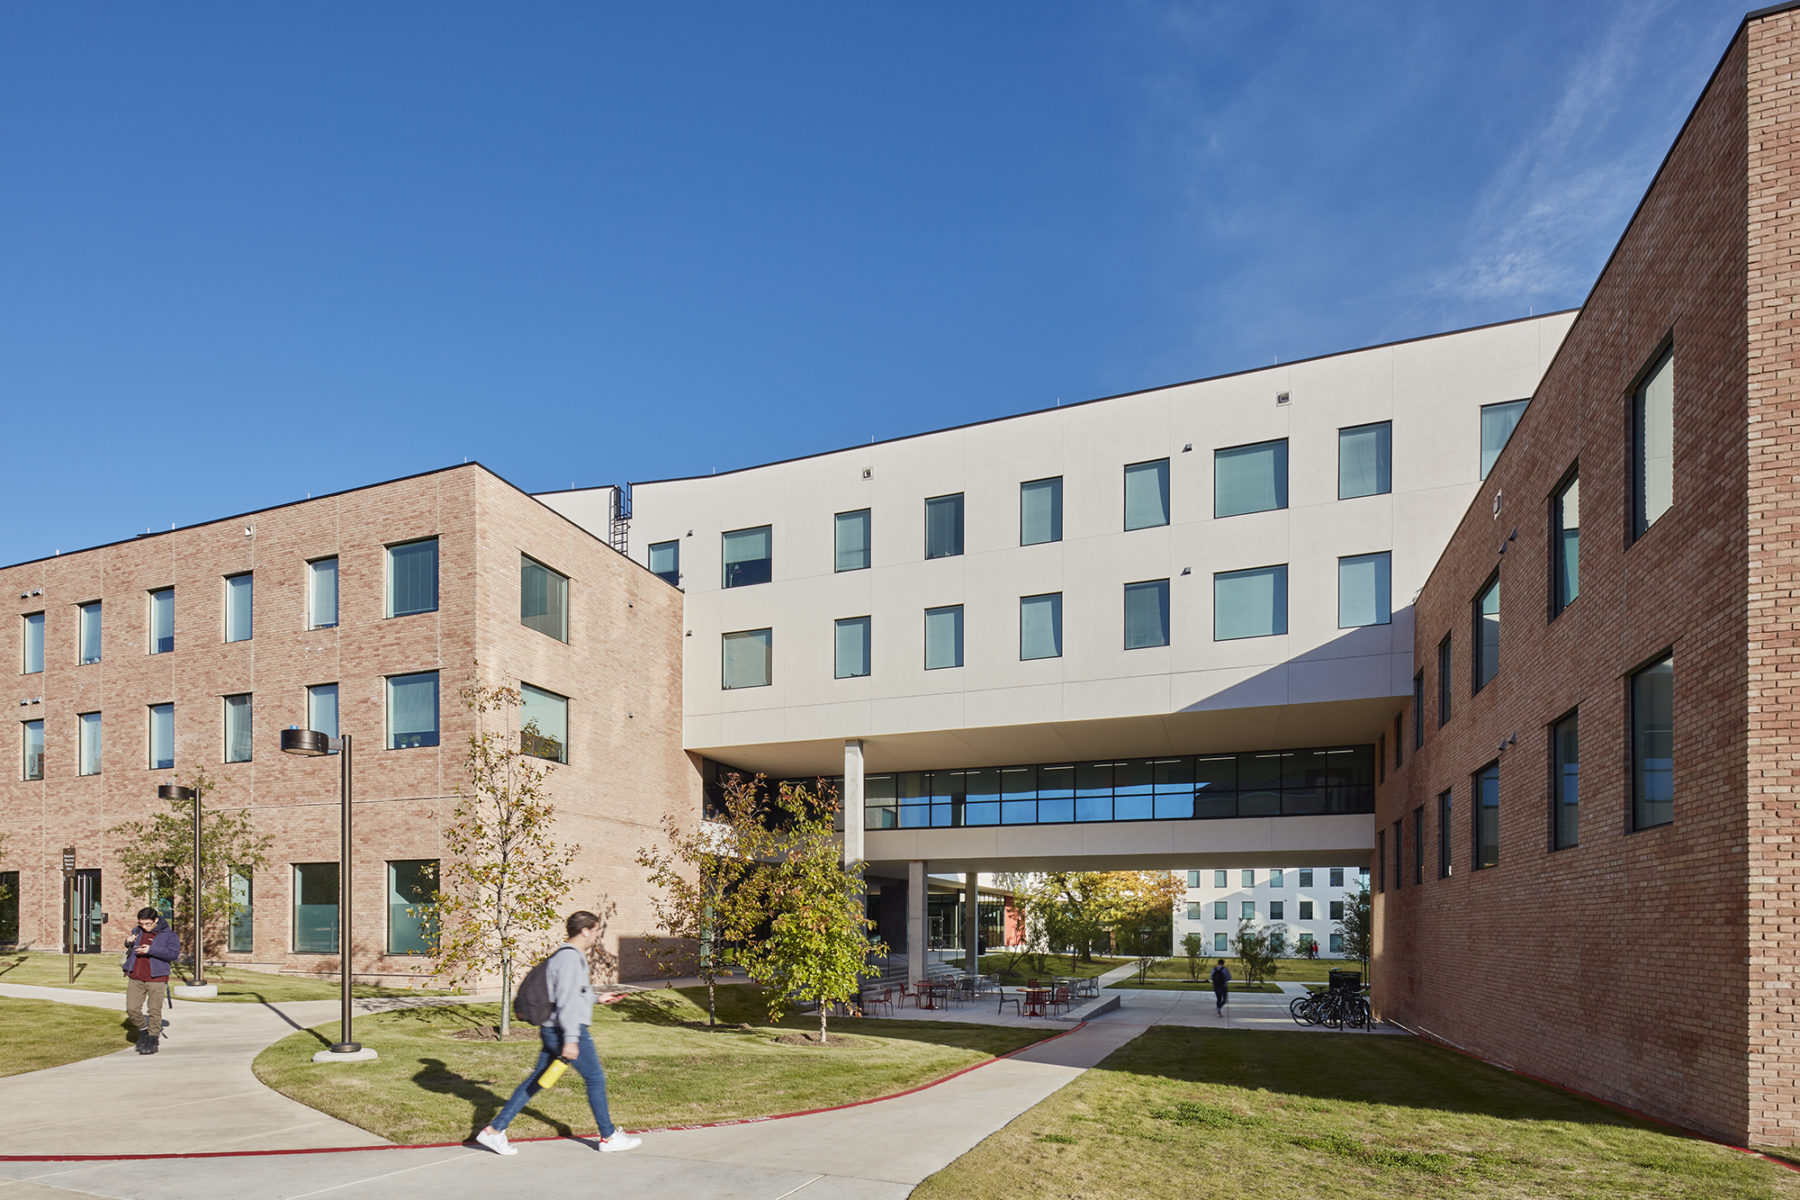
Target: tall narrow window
(412, 710)
(1487, 632)
(544, 722)
(1418, 710)
(748, 657)
(850, 540)
(543, 599)
(1365, 460)
(322, 593)
(241, 939)
(851, 648)
(238, 738)
(1250, 603)
(1146, 614)
(1653, 745)
(1653, 445)
(1380, 864)
(162, 620)
(88, 648)
(1565, 546)
(162, 737)
(322, 709)
(239, 609)
(944, 637)
(944, 526)
(1040, 511)
(1147, 494)
(412, 906)
(1486, 791)
(1249, 479)
(32, 661)
(1497, 424)
(33, 766)
(412, 578)
(315, 908)
(87, 747)
(1363, 590)
(1565, 784)
(749, 556)
(1040, 626)
(1418, 845)
(1445, 866)
(665, 562)
(1399, 854)
(1443, 681)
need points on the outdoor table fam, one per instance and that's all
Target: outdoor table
(1035, 999)
(928, 993)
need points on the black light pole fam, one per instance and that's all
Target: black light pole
(174, 791)
(310, 743)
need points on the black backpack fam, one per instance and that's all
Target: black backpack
(531, 1003)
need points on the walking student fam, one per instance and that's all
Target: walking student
(149, 950)
(565, 1035)
(1221, 981)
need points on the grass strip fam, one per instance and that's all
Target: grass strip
(100, 973)
(1184, 985)
(42, 1033)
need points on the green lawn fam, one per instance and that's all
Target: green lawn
(663, 1066)
(1153, 984)
(1291, 970)
(43, 1033)
(100, 973)
(1242, 1113)
(1054, 964)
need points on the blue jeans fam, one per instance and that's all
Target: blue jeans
(587, 1063)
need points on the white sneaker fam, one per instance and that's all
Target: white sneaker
(619, 1142)
(495, 1140)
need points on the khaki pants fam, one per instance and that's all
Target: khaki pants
(142, 995)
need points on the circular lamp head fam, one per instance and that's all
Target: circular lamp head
(174, 791)
(309, 742)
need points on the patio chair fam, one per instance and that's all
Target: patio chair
(1059, 998)
(1006, 1000)
(882, 999)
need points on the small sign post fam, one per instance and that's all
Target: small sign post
(69, 903)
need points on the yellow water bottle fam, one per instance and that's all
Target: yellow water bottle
(553, 1072)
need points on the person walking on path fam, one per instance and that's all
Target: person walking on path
(1221, 981)
(149, 950)
(565, 1035)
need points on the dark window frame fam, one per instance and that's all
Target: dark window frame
(1476, 639)
(1557, 605)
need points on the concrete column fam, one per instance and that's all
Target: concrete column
(971, 923)
(853, 801)
(915, 922)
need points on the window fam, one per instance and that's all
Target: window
(1653, 745)
(1399, 760)
(1565, 780)
(1380, 867)
(748, 658)
(9, 908)
(1221, 910)
(237, 728)
(1277, 877)
(1306, 877)
(412, 906)
(1497, 422)
(1250, 603)
(1219, 943)
(87, 649)
(322, 593)
(1276, 907)
(239, 590)
(412, 578)
(1443, 668)
(1306, 910)
(1365, 460)
(1194, 909)
(33, 659)
(162, 892)
(412, 710)
(1487, 816)
(315, 908)
(1040, 626)
(1653, 445)
(1146, 614)
(851, 648)
(33, 766)
(1337, 943)
(87, 749)
(1565, 546)
(944, 637)
(241, 936)
(1249, 479)
(1219, 879)
(162, 737)
(544, 724)
(1249, 878)
(1486, 639)
(1419, 710)
(1381, 758)
(1445, 867)
(1363, 597)
(665, 562)
(1337, 910)
(749, 556)
(543, 599)
(1399, 850)
(850, 541)
(1040, 511)
(322, 709)
(1193, 879)
(944, 526)
(1418, 863)
(1247, 910)
(162, 620)
(1147, 494)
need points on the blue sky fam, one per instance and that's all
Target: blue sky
(249, 252)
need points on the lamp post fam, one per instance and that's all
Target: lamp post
(174, 791)
(310, 743)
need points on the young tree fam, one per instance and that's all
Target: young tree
(1358, 927)
(1193, 945)
(711, 885)
(1258, 949)
(505, 879)
(157, 852)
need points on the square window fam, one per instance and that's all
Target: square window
(1221, 910)
(1565, 546)
(1565, 784)
(749, 556)
(543, 599)
(32, 661)
(1497, 424)
(944, 526)
(412, 578)
(1337, 877)
(1146, 614)
(33, 766)
(1040, 626)
(1194, 910)
(944, 637)
(664, 562)
(412, 710)
(88, 649)
(1276, 908)
(1250, 603)
(1363, 595)
(1147, 494)
(1277, 877)
(1365, 460)
(162, 621)
(1653, 445)
(1219, 879)
(1337, 943)
(1306, 910)
(1248, 479)
(239, 607)
(322, 709)
(1337, 910)
(1486, 638)
(315, 908)
(1306, 877)
(1250, 878)
(322, 593)
(238, 739)
(543, 724)
(1219, 943)
(1247, 910)
(162, 737)
(1653, 744)
(1040, 511)
(748, 658)
(850, 534)
(87, 748)
(851, 648)
(1193, 879)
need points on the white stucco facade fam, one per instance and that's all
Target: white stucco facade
(1301, 898)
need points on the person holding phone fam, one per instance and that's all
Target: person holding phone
(150, 949)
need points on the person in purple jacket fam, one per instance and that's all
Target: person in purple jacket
(149, 950)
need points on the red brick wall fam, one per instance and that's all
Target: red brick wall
(1617, 965)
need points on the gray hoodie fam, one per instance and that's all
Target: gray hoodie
(571, 994)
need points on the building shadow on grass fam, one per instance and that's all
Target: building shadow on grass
(434, 1075)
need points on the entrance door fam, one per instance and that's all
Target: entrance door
(82, 920)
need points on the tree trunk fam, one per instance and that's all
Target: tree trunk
(710, 1019)
(822, 1006)
(505, 998)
